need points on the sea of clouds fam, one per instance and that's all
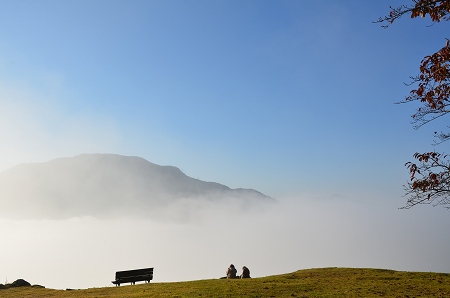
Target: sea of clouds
(192, 240)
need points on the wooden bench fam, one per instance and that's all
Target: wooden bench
(133, 276)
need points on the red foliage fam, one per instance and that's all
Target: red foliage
(430, 177)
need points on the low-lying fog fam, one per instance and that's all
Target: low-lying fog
(296, 233)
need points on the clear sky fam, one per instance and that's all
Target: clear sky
(291, 98)
(280, 96)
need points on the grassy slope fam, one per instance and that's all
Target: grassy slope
(326, 282)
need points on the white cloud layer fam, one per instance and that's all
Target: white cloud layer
(294, 234)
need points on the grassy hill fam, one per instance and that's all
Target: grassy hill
(326, 282)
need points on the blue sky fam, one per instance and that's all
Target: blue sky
(280, 96)
(291, 98)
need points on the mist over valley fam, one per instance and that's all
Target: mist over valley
(84, 218)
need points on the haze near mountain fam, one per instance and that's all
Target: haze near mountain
(105, 185)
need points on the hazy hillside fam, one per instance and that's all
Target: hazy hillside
(105, 185)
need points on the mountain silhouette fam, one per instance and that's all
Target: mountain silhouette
(107, 185)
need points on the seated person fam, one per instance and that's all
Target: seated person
(231, 272)
(245, 272)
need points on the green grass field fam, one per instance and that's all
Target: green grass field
(326, 282)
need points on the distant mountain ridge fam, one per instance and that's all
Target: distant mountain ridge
(105, 184)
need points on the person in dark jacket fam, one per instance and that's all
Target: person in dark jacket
(245, 272)
(231, 272)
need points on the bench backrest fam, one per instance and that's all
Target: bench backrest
(136, 272)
